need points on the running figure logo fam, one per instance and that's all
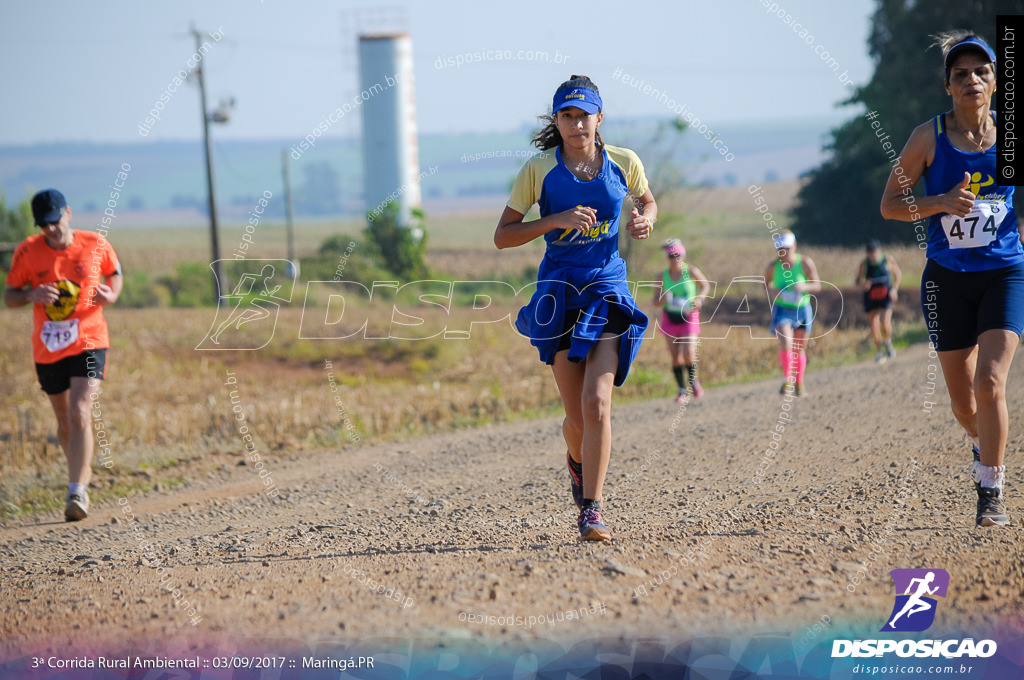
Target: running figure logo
(914, 610)
(252, 318)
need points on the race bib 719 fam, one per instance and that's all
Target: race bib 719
(56, 335)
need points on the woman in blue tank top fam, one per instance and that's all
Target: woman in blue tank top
(582, 318)
(972, 288)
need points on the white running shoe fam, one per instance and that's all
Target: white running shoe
(77, 507)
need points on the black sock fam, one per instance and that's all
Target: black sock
(576, 467)
(691, 369)
(677, 371)
(591, 503)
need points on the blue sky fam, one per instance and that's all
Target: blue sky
(76, 71)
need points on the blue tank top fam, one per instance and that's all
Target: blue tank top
(563, 190)
(548, 182)
(988, 237)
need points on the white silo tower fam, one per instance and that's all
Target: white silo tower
(390, 150)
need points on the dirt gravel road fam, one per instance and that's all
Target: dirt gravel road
(471, 533)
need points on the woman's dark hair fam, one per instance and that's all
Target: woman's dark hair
(549, 137)
(947, 40)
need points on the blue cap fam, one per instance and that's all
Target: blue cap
(969, 44)
(580, 97)
(48, 206)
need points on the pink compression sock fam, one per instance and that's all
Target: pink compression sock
(800, 366)
(784, 361)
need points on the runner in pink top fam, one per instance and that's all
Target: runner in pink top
(680, 318)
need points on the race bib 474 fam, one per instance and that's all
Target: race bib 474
(978, 228)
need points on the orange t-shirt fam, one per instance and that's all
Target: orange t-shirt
(74, 323)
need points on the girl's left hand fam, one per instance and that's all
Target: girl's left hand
(639, 227)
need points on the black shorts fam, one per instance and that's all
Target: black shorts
(618, 323)
(877, 298)
(960, 306)
(56, 377)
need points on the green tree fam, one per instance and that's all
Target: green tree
(340, 258)
(16, 224)
(400, 250)
(839, 203)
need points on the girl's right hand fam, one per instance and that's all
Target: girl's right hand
(579, 218)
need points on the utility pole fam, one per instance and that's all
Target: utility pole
(289, 223)
(218, 279)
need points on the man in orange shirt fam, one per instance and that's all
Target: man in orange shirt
(59, 272)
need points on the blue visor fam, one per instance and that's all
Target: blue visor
(580, 97)
(972, 44)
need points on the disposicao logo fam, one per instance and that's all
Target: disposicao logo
(912, 612)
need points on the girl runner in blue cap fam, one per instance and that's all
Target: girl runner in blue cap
(582, 318)
(972, 288)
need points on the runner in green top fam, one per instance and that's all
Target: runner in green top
(795, 277)
(680, 317)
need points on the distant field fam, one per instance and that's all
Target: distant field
(723, 235)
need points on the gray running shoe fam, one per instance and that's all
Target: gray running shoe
(991, 508)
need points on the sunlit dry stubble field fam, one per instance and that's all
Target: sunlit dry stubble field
(168, 414)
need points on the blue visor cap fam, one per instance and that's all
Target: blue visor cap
(580, 97)
(974, 44)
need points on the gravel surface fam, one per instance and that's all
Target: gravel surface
(471, 533)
